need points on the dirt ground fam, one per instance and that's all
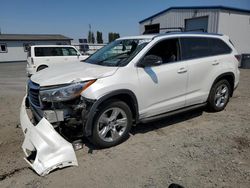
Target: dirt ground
(194, 149)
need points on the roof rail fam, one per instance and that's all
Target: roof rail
(170, 29)
(201, 29)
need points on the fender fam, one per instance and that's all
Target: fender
(90, 114)
(223, 75)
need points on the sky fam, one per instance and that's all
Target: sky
(73, 17)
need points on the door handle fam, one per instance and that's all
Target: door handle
(182, 70)
(216, 63)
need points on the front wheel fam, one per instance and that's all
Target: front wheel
(219, 96)
(112, 124)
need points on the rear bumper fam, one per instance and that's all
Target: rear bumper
(44, 148)
(30, 70)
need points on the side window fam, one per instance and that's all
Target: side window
(68, 51)
(39, 52)
(168, 50)
(3, 48)
(195, 47)
(219, 47)
(48, 51)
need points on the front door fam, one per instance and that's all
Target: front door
(163, 87)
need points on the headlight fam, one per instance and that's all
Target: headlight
(64, 93)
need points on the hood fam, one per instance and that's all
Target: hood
(68, 72)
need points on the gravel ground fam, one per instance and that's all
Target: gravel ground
(194, 149)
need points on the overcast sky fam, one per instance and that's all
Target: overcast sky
(72, 17)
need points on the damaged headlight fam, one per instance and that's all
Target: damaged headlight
(64, 93)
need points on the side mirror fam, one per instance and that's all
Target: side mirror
(150, 60)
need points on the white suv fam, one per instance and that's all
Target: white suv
(42, 56)
(131, 80)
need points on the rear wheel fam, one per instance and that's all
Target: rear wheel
(219, 96)
(112, 124)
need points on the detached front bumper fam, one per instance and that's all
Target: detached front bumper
(44, 148)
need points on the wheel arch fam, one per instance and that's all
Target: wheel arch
(42, 65)
(229, 76)
(124, 95)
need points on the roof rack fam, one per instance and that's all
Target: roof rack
(201, 29)
(173, 29)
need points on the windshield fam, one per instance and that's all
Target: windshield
(118, 53)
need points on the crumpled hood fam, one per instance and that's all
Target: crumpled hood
(68, 72)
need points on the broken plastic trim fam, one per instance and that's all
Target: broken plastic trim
(44, 148)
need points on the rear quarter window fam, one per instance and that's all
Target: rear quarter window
(219, 47)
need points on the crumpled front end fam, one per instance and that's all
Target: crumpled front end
(44, 148)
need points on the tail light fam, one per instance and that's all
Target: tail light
(238, 57)
(32, 61)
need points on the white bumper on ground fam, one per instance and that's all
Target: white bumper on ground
(44, 148)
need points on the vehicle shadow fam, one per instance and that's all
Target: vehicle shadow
(143, 128)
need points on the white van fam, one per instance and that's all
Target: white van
(42, 56)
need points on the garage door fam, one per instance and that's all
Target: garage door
(196, 24)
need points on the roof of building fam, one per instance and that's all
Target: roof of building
(197, 7)
(33, 37)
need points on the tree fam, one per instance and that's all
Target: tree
(113, 36)
(99, 37)
(91, 37)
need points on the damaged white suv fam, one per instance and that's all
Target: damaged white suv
(131, 80)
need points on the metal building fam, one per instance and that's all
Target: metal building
(14, 47)
(233, 22)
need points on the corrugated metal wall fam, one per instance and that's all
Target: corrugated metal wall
(176, 18)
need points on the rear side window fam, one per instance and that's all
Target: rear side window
(198, 47)
(194, 47)
(48, 51)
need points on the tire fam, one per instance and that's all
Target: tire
(41, 67)
(112, 124)
(219, 96)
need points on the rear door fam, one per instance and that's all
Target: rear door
(203, 67)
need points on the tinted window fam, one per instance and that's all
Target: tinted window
(197, 47)
(48, 51)
(3, 48)
(219, 47)
(168, 50)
